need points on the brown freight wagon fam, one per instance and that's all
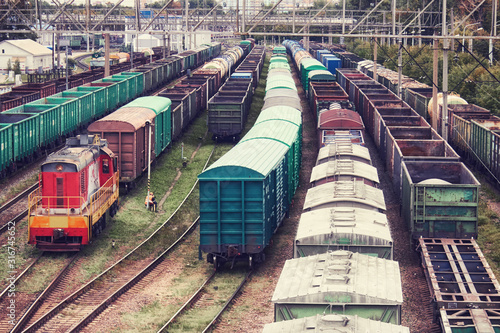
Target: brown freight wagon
(126, 131)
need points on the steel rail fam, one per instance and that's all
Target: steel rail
(36, 304)
(188, 302)
(110, 299)
(87, 287)
(229, 301)
(19, 276)
(18, 197)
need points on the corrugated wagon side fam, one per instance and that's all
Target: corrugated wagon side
(439, 199)
(6, 151)
(239, 201)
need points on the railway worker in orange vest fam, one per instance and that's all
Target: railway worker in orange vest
(152, 201)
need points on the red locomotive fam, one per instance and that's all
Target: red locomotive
(78, 189)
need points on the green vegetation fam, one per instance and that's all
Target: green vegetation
(466, 76)
(489, 227)
(14, 190)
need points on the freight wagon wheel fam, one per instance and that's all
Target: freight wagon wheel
(216, 262)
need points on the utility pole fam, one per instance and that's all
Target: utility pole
(393, 5)
(87, 22)
(434, 85)
(375, 59)
(400, 66)
(494, 5)
(444, 115)
(186, 9)
(106, 54)
(419, 28)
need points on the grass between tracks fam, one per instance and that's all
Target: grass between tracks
(134, 223)
(154, 314)
(489, 226)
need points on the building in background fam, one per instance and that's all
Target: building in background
(32, 56)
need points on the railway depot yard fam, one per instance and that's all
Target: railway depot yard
(153, 300)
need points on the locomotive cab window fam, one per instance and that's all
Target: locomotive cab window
(105, 166)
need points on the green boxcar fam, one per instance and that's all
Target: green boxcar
(69, 112)
(131, 85)
(163, 127)
(99, 105)
(111, 89)
(293, 116)
(418, 99)
(439, 199)
(280, 81)
(138, 79)
(306, 66)
(49, 118)
(6, 149)
(240, 196)
(85, 103)
(483, 143)
(245, 195)
(25, 133)
(279, 50)
(122, 85)
(279, 65)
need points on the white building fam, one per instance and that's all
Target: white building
(30, 54)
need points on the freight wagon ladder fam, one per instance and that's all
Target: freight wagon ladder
(420, 211)
(342, 146)
(344, 166)
(345, 189)
(342, 218)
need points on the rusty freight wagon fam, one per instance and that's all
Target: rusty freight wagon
(439, 199)
(127, 130)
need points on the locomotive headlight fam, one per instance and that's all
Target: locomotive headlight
(59, 167)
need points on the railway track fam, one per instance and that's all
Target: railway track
(205, 299)
(77, 310)
(15, 280)
(13, 211)
(79, 61)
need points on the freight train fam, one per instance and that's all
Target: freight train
(343, 239)
(439, 195)
(79, 190)
(27, 130)
(246, 194)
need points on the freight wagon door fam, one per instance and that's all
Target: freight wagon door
(141, 149)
